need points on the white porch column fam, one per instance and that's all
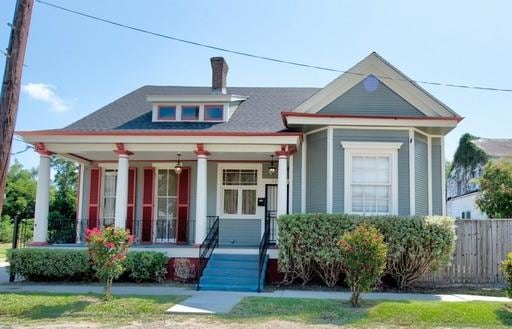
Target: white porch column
(282, 183)
(42, 198)
(201, 197)
(123, 166)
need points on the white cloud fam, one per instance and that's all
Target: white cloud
(46, 93)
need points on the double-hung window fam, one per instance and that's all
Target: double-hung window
(109, 198)
(239, 187)
(371, 177)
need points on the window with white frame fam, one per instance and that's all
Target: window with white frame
(371, 177)
(167, 199)
(109, 197)
(239, 189)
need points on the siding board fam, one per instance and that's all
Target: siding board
(316, 179)
(437, 195)
(239, 231)
(421, 175)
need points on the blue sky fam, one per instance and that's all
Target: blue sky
(76, 65)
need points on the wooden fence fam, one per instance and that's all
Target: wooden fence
(481, 246)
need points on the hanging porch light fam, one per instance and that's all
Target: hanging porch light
(272, 168)
(178, 167)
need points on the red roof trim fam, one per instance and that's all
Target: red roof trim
(284, 115)
(152, 133)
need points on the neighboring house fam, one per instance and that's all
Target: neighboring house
(462, 188)
(170, 162)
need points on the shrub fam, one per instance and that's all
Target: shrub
(506, 268)
(184, 270)
(364, 259)
(40, 264)
(107, 250)
(146, 266)
(308, 245)
(495, 197)
(6, 229)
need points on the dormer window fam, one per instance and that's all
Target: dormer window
(213, 113)
(166, 113)
(189, 113)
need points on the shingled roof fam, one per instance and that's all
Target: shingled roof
(261, 112)
(496, 148)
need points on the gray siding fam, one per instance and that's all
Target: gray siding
(400, 136)
(297, 182)
(239, 231)
(421, 173)
(437, 172)
(360, 100)
(315, 172)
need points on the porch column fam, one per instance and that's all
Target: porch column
(201, 224)
(282, 183)
(42, 196)
(121, 187)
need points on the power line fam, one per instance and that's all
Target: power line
(241, 53)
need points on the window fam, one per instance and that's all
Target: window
(167, 197)
(213, 113)
(239, 191)
(109, 198)
(371, 177)
(189, 113)
(167, 113)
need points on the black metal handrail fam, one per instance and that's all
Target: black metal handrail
(263, 249)
(209, 244)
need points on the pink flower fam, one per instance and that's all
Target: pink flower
(110, 245)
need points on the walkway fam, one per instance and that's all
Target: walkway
(210, 302)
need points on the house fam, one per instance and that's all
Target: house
(201, 171)
(462, 188)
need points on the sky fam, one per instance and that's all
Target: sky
(75, 65)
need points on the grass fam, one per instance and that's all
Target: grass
(3, 251)
(40, 308)
(375, 314)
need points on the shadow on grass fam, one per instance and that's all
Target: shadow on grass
(504, 314)
(310, 311)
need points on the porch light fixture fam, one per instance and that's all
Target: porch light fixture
(178, 167)
(272, 168)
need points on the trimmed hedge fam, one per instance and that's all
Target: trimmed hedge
(44, 264)
(416, 245)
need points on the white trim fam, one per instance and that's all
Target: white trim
(290, 184)
(329, 171)
(79, 210)
(260, 190)
(390, 151)
(108, 165)
(443, 177)
(429, 169)
(376, 65)
(371, 145)
(303, 177)
(314, 131)
(412, 173)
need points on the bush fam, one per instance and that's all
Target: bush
(364, 259)
(416, 245)
(39, 264)
(146, 266)
(6, 229)
(44, 264)
(184, 269)
(506, 268)
(495, 196)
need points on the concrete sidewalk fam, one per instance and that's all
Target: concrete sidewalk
(210, 302)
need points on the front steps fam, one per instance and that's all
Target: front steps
(231, 272)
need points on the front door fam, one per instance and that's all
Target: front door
(271, 209)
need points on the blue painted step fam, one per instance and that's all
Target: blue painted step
(232, 272)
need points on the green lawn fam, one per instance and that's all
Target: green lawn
(41, 308)
(376, 314)
(3, 251)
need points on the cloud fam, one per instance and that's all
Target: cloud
(46, 93)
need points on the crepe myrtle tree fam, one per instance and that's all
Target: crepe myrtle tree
(495, 197)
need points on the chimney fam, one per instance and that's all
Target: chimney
(219, 73)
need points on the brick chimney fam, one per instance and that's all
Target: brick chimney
(219, 74)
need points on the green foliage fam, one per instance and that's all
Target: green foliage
(495, 197)
(146, 266)
(107, 250)
(364, 259)
(20, 192)
(6, 229)
(506, 268)
(40, 264)
(65, 184)
(308, 245)
(468, 154)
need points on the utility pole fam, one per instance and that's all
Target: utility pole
(10, 94)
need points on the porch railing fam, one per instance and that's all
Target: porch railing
(263, 247)
(209, 244)
(271, 216)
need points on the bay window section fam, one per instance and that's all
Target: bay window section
(239, 191)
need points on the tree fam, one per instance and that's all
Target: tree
(65, 184)
(495, 197)
(20, 192)
(447, 168)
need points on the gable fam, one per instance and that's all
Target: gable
(371, 97)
